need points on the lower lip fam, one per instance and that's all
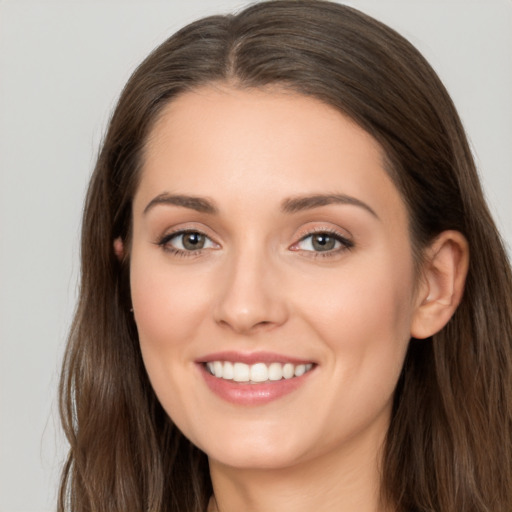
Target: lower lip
(245, 393)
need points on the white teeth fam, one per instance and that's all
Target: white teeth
(217, 368)
(288, 371)
(259, 372)
(275, 371)
(227, 371)
(241, 372)
(300, 370)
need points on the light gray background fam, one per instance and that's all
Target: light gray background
(62, 66)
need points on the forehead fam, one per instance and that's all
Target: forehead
(258, 145)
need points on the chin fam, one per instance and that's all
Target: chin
(253, 458)
(273, 449)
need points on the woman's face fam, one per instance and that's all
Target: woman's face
(271, 276)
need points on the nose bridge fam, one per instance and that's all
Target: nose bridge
(250, 297)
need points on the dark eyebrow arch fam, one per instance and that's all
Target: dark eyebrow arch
(297, 204)
(199, 204)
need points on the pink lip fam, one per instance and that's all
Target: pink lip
(251, 358)
(244, 393)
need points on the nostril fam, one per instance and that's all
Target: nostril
(241, 326)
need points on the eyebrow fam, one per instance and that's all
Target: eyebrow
(297, 204)
(291, 205)
(199, 204)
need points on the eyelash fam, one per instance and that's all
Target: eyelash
(164, 243)
(345, 243)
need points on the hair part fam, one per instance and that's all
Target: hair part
(449, 445)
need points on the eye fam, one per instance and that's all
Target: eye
(186, 241)
(323, 241)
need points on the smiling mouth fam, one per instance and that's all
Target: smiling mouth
(256, 373)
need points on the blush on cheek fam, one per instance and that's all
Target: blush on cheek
(163, 307)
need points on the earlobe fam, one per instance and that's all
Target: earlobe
(442, 285)
(119, 248)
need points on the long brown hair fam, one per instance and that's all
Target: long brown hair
(449, 446)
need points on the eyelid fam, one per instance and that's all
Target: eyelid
(345, 241)
(178, 234)
(184, 227)
(164, 241)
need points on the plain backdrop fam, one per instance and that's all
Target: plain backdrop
(62, 66)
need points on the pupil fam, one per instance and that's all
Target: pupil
(323, 242)
(193, 241)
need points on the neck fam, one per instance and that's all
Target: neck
(348, 481)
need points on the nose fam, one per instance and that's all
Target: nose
(251, 297)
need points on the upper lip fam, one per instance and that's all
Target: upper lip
(251, 358)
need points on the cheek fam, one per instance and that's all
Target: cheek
(364, 316)
(167, 305)
(364, 320)
(169, 308)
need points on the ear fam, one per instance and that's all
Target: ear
(442, 283)
(119, 248)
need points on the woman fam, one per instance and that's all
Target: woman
(293, 295)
